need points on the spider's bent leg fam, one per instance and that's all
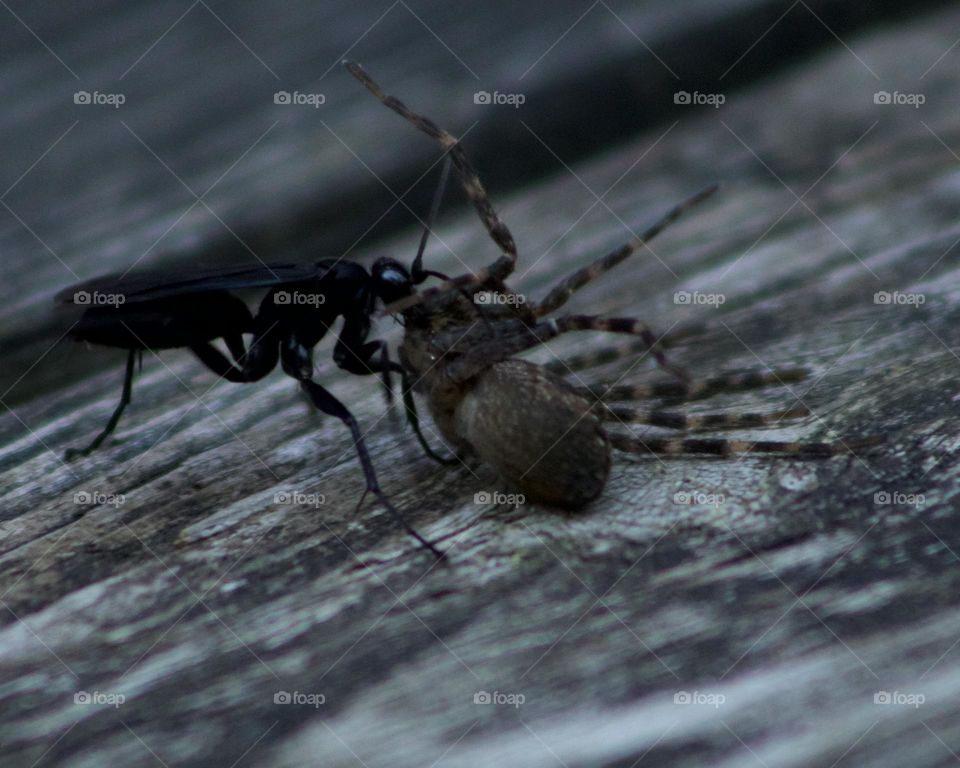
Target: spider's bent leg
(675, 420)
(516, 301)
(594, 358)
(676, 446)
(472, 186)
(561, 292)
(474, 360)
(694, 390)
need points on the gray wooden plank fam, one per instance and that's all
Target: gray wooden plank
(797, 599)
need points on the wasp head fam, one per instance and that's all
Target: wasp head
(390, 280)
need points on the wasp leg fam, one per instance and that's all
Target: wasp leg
(414, 420)
(72, 453)
(328, 404)
(211, 357)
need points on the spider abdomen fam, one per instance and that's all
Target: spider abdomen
(537, 432)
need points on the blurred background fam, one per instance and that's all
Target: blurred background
(150, 134)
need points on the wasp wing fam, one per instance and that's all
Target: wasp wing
(149, 285)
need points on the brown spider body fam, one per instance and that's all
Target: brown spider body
(539, 434)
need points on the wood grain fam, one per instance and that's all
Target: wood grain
(779, 612)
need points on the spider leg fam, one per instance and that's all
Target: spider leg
(561, 292)
(610, 353)
(471, 184)
(676, 446)
(482, 355)
(694, 390)
(594, 358)
(675, 420)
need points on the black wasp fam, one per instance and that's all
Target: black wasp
(192, 308)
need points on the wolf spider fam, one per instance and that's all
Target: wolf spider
(543, 435)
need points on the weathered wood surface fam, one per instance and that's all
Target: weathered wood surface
(796, 599)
